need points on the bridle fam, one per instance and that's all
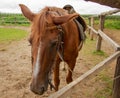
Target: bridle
(60, 48)
(60, 45)
(60, 40)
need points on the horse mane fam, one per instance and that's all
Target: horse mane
(44, 12)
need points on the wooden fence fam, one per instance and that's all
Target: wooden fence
(66, 91)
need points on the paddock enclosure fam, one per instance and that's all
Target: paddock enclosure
(15, 66)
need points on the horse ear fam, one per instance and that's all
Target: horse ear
(64, 18)
(26, 12)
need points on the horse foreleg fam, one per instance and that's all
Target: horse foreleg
(71, 66)
(56, 75)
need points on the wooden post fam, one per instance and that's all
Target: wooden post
(92, 25)
(89, 25)
(116, 84)
(101, 27)
(68, 90)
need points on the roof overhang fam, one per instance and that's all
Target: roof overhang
(111, 3)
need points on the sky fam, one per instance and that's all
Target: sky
(81, 6)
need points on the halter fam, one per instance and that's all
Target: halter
(60, 47)
(60, 40)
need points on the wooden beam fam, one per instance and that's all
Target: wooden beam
(111, 3)
(92, 25)
(106, 38)
(109, 40)
(116, 84)
(89, 25)
(110, 12)
(94, 31)
(95, 16)
(99, 42)
(101, 22)
(67, 90)
(101, 27)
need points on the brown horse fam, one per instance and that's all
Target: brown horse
(54, 37)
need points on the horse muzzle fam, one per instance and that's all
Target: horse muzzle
(38, 89)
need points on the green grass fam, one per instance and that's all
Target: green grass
(100, 53)
(13, 19)
(10, 34)
(106, 80)
(102, 83)
(89, 50)
(112, 24)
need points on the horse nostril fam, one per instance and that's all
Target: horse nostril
(42, 90)
(38, 90)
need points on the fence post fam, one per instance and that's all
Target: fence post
(101, 27)
(92, 25)
(89, 19)
(116, 83)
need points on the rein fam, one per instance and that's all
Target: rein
(60, 48)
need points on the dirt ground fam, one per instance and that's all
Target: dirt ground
(15, 69)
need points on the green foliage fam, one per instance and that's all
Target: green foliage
(100, 52)
(10, 34)
(103, 81)
(13, 19)
(89, 52)
(111, 22)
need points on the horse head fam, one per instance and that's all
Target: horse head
(45, 42)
